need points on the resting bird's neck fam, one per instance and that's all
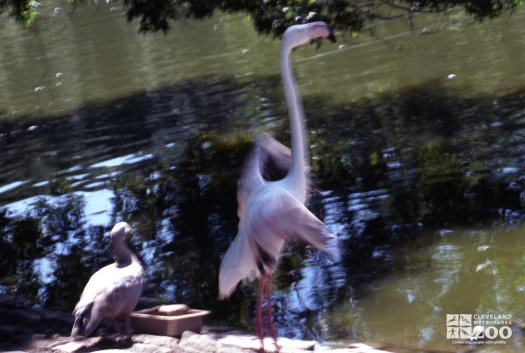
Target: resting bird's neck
(123, 256)
(297, 172)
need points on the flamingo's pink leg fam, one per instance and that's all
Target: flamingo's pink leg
(269, 312)
(258, 324)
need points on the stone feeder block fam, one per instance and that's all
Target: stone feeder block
(168, 320)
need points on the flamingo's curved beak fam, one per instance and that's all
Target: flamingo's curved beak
(331, 37)
(320, 29)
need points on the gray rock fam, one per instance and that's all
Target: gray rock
(92, 344)
(352, 348)
(69, 347)
(252, 344)
(149, 348)
(231, 349)
(161, 341)
(191, 342)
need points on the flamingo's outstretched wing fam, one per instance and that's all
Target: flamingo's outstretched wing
(282, 215)
(269, 160)
(270, 218)
(239, 263)
(274, 158)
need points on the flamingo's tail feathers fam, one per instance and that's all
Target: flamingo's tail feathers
(237, 265)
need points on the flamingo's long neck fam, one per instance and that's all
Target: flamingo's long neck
(297, 173)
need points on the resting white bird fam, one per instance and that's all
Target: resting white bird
(272, 212)
(113, 291)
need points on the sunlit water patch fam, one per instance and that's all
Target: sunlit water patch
(441, 274)
(98, 205)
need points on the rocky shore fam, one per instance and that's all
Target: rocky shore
(27, 330)
(211, 340)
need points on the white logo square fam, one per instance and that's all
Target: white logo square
(465, 319)
(452, 320)
(452, 332)
(465, 332)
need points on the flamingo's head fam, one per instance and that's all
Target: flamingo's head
(120, 231)
(298, 35)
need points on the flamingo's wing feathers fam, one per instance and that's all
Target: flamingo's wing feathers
(237, 264)
(271, 219)
(274, 158)
(269, 160)
(293, 219)
(257, 245)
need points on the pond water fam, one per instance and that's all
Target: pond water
(417, 142)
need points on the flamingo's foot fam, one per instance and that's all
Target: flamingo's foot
(261, 339)
(277, 347)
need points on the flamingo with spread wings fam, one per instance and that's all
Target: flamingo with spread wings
(272, 212)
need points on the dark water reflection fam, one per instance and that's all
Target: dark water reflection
(423, 185)
(408, 163)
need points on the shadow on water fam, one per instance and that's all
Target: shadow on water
(387, 171)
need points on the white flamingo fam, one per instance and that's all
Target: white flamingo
(113, 291)
(272, 212)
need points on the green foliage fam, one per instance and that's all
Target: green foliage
(274, 16)
(30, 13)
(16, 9)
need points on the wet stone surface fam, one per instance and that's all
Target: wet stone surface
(40, 330)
